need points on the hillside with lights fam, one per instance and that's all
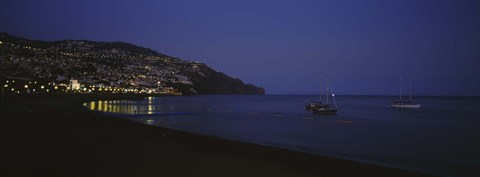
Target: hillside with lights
(80, 66)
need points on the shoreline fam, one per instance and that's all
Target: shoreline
(74, 141)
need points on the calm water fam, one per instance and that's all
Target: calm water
(442, 137)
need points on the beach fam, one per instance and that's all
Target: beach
(54, 135)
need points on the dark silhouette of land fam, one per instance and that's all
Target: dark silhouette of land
(53, 135)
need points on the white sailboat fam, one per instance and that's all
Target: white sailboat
(405, 103)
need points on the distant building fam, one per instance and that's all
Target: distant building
(74, 85)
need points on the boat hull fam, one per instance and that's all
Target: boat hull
(314, 106)
(406, 106)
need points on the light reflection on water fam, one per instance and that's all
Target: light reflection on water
(150, 122)
(128, 107)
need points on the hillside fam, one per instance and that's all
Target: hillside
(114, 65)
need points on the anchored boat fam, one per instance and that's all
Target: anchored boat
(405, 103)
(323, 106)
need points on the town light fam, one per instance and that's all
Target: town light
(42, 87)
(26, 86)
(6, 85)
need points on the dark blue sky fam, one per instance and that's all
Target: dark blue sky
(284, 46)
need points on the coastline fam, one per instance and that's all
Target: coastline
(56, 136)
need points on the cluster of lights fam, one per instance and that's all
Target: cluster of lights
(76, 54)
(14, 45)
(36, 87)
(29, 86)
(155, 58)
(100, 89)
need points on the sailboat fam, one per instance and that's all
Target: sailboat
(323, 106)
(405, 103)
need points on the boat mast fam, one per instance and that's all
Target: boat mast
(321, 100)
(326, 89)
(410, 85)
(333, 95)
(401, 88)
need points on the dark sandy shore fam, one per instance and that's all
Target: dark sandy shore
(55, 136)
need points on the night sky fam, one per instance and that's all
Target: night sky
(286, 47)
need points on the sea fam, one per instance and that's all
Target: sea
(440, 138)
